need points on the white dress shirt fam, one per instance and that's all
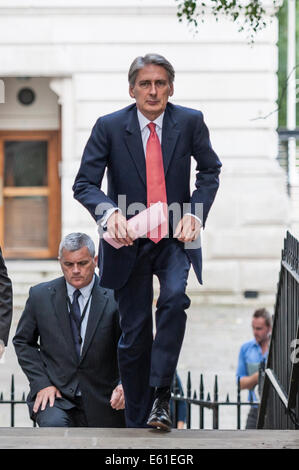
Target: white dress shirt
(144, 129)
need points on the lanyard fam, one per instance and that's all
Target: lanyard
(78, 323)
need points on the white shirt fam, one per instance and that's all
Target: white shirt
(144, 129)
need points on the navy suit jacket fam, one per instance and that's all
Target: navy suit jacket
(116, 144)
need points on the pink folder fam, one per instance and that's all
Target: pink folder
(142, 223)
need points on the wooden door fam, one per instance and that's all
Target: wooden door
(30, 213)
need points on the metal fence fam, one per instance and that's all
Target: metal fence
(12, 401)
(191, 402)
(279, 408)
(196, 399)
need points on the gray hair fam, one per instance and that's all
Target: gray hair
(75, 241)
(148, 59)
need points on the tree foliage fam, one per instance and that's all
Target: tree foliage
(248, 14)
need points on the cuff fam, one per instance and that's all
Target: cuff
(199, 220)
(104, 219)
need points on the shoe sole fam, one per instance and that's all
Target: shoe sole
(159, 425)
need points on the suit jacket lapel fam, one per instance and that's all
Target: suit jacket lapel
(170, 134)
(134, 143)
(97, 307)
(59, 294)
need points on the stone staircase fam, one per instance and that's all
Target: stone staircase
(26, 273)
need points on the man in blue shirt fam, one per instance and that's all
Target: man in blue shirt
(252, 353)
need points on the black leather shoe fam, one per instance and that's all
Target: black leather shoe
(159, 417)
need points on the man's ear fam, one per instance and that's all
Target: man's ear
(171, 90)
(131, 92)
(96, 260)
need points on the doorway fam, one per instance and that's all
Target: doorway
(30, 205)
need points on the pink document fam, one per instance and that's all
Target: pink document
(142, 223)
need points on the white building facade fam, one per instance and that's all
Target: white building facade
(70, 59)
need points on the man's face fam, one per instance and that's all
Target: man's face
(78, 267)
(260, 330)
(151, 91)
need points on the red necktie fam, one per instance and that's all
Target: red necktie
(155, 181)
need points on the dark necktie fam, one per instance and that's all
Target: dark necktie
(155, 181)
(75, 320)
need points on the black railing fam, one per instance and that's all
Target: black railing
(191, 402)
(279, 408)
(12, 402)
(197, 400)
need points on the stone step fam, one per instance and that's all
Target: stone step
(30, 278)
(27, 273)
(101, 438)
(32, 265)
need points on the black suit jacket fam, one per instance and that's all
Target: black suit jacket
(5, 301)
(46, 351)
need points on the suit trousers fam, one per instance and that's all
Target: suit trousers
(148, 351)
(55, 416)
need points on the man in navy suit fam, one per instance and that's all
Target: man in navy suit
(146, 149)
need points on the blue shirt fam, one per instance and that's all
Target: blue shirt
(250, 357)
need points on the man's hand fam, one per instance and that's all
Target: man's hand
(44, 396)
(188, 229)
(117, 227)
(117, 400)
(249, 381)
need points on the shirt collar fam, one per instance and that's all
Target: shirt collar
(258, 346)
(143, 121)
(85, 291)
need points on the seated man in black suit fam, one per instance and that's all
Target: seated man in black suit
(5, 305)
(66, 343)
